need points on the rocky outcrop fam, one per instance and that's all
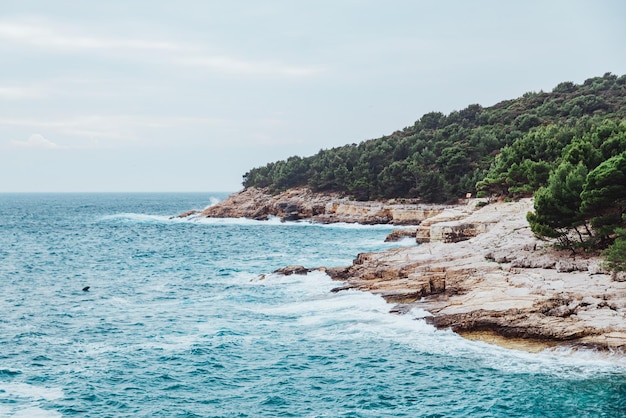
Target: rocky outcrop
(478, 271)
(455, 224)
(297, 204)
(497, 279)
(619, 276)
(398, 234)
(289, 270)
(457, 232)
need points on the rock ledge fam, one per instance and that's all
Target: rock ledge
(298, 204)
(485, 272)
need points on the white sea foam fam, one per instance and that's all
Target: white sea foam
(24, 390)
(403, 242)
(274, 220)
(233, 221)
(271, 221)
(213, 201)
(139, 218)
(345, 225)
(30, 412)
(358, 315)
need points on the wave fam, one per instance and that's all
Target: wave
(357, 315)
(275, 221)
(139, 218)
(24, 390)
(28, 412)
(403, 242)
(21, 400)
(272, 221)
(213, 201)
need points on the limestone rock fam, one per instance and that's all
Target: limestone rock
(301, 203)
(537, 261)
(398, 234)
(597, 268)
(189, 213)
(566, 266)
(455, 232)
(501, 281)
(477, 269)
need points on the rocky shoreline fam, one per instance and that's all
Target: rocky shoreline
(478, 269)
(298, 204)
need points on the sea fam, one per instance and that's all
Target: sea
(184, 318)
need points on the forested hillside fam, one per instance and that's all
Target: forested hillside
(508, 149)
(566, 147)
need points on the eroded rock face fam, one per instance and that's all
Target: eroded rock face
(398, 234)
(619, 276)
(457, 232)
(501, 280)
(297, 204)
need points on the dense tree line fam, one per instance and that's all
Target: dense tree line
(567, 147)
(442, 157)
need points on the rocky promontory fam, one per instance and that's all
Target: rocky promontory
(478, 269)
(301, 203)
(481, 270)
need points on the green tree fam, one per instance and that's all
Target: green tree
(604, 198)
(615, 255)
(506, 149)
(605, 188)
(557, 206)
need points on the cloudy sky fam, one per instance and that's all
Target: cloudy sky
(187, 95)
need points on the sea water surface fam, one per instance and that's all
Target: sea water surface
(178, 323)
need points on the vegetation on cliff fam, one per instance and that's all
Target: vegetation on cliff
(508, 149)
(568, 146)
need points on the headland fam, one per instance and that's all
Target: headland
(478, 270)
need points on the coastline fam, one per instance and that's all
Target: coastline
(478, 270)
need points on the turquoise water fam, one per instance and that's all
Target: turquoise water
(178, 323)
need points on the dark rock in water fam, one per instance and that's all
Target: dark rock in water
(186, 214)
(86, 289)
(341, 288)
(289, 270)
(398, 234)
(401, 309)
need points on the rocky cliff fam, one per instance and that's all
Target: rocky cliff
(481, 270)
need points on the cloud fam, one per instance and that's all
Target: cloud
(21, 92)
(270, 140)
(249, 67)
(48, 37)
(35, 141)
(104, 131)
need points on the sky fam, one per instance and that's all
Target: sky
(188, 95)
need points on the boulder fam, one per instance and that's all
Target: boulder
(455, 232)
(567, 266)
(289, 270)
(398, 234)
